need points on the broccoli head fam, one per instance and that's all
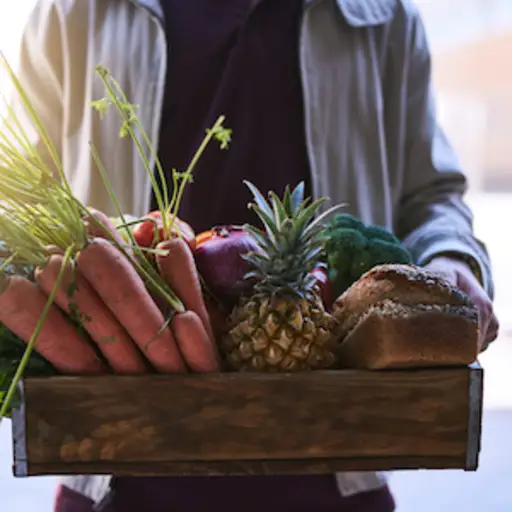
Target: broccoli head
(352, 248)
(380, 233)
(340, 257)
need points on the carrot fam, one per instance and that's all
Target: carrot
(204, 237)
(76, 296)
(178, 269)
(53, 249)
(194, 342)
(162, 304)
(99, 225)
(21, 304)
(123, 291)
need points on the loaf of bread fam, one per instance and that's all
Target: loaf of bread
(403, 316)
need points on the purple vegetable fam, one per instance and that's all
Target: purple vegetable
(218, 257)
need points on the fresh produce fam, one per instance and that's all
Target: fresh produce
(352, 248)
(100, 225)
(149, 231)
(93, 278)
(12, 349)
(123, 292)
(195, 343)
(37, 232)
(11, 267)
(22, 305)
(282, 325)
(78, 298)
(93, 294)
(219, 258)
(177, 267)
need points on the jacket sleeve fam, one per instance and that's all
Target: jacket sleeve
(432, 217)
(40, 70)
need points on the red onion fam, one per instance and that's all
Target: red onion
(218, 257)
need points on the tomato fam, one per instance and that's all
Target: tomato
(144, 232)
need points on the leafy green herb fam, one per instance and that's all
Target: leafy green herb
(12, 350)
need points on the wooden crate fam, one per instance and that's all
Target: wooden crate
(232, 423)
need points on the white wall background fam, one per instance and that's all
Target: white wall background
(12, 20)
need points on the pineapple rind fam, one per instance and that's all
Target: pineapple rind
(283, 326)
(279, 335)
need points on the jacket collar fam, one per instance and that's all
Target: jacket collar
(366, 13)
(153, 6)
(357, 13)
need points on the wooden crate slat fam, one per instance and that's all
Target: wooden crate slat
(249, 423)
(241, 468)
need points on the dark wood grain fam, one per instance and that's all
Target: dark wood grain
(315, 422)
(240, 468)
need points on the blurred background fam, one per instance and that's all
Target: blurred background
(471, 42)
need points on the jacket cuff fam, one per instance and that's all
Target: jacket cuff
(467, 248)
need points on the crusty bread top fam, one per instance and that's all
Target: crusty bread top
(389, 308)
(407, 285)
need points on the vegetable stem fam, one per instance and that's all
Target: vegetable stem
(116, 97)
(188, 173)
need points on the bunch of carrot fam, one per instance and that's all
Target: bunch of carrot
(93, 304)
(102, 292)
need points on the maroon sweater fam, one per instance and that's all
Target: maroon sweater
(255, 494)
(226, 57)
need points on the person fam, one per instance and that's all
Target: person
(336, 93)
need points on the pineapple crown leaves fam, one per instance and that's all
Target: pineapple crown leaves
(291, 214)
(290, 243)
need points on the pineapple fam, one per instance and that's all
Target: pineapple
(282, 325)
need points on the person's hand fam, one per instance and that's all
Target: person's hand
(459, 274)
